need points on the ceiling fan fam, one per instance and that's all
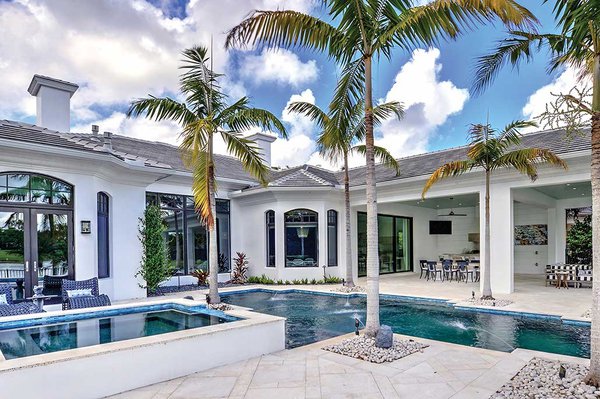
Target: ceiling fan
(452, 213)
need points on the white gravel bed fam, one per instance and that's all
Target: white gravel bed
(489, 302)
(587, 314)
(348, 290)
(539, 379)
(364, 348)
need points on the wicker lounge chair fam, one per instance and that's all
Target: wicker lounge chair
(12, 308)
(94, 300)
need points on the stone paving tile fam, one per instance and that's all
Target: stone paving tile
(352, 385)
(208, 387)
(433, 390)
(441, 371)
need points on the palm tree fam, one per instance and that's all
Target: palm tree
(490, 150)
(340, 130)
(576, 45)
(367, 29)
(204, 113)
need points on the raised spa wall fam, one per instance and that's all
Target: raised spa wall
(107, 369)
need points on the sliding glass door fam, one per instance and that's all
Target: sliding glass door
(395, 244)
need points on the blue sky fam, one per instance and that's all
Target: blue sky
(117, 51)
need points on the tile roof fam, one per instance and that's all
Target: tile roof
(303, 176)
(162, 155)
(425, 164)
(154, 154)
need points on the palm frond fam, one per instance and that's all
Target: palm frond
(160, 109)
(454, 168)
(285, 28)
(525, 160)
(202, 176)
(518, 47)
(248, 153)
(313, 112)
(382, 155)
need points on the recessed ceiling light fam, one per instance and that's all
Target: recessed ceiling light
(574, 188)
(582, 193)
(568, 184)
(437, 206)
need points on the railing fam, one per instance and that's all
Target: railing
(15, 272)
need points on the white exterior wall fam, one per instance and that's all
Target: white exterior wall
(251, 227)
(458, 241)
(532, 259)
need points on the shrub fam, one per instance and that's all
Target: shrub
(201, 275)
(240, 268)
(332, 280)
(154, 267)
(222, 262)
(261, 280)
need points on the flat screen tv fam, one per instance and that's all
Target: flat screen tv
(440, 227)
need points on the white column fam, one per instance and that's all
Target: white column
(502, 239)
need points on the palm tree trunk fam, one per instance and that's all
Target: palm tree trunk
(213, 253)
(349, 277)
(372, 326)
(486, 291)
(593, 377)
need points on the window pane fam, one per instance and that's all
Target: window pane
(61, 198)
(331, 245)
(197, 244)
(59, 186)
(41, 183)
(3, 179)
(18, 194)
(271, 246)
(171, 201)
(222, 206)
(41, 196)
(18, 181)
(386, 244)
(301, 246)
(151, 199)
(103, 236)
(174, 238)
(223, 242)
(403, 254)
(362, 243)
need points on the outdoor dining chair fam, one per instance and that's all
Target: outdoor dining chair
(424, 268)
(433, 271)
(463, 271)
(447, 268)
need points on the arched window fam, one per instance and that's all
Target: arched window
(33, 188)
(103, 236)
(270, 225)
(332, 238)
(301, 238)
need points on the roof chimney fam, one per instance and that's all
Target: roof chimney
(263, 141)
(95, 130)
(108, 141)
(53, 102)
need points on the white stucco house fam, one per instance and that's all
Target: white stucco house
(70, 204)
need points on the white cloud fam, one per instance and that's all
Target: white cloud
(115, 51)
(300, 145)
(278, 65)
(428, 103)
(536, 103)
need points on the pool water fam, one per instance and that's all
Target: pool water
(36, 340)
(313, 317)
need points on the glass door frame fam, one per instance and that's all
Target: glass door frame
(34, 264)
(30, 246)
(395, 243)
(27, 275)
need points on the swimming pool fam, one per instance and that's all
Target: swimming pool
(314, 317)
(37, 336)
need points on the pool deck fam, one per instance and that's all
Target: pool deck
(441, 371)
